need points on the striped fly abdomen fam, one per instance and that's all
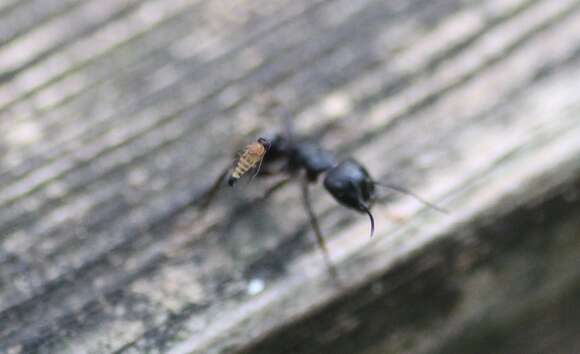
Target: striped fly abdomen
(250, 158)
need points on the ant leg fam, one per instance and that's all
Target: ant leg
(314, 223)
(405, 191)
(275, 187)
(250, 204)
(271, 190)
(210, 194)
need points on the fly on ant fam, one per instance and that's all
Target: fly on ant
(252, 157)
(348, 181)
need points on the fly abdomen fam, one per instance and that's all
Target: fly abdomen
(245, 163)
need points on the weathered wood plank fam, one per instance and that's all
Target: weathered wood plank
(112, 128)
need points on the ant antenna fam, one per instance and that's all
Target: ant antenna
(274, 107)
(408, 192)
(366, 210)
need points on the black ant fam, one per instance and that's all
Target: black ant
(347, 181)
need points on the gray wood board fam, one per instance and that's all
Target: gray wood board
(115, 116)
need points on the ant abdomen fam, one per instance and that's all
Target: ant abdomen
(352, 186)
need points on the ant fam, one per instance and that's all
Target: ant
(348, 181)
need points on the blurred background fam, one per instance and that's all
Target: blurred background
(117, 115)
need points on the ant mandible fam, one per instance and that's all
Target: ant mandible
(348, 181)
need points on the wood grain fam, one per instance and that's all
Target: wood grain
(116, 116)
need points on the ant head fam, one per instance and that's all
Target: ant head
(278, 147)
(352, 186)
(265, 143)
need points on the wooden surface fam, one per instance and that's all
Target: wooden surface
(116, 115)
